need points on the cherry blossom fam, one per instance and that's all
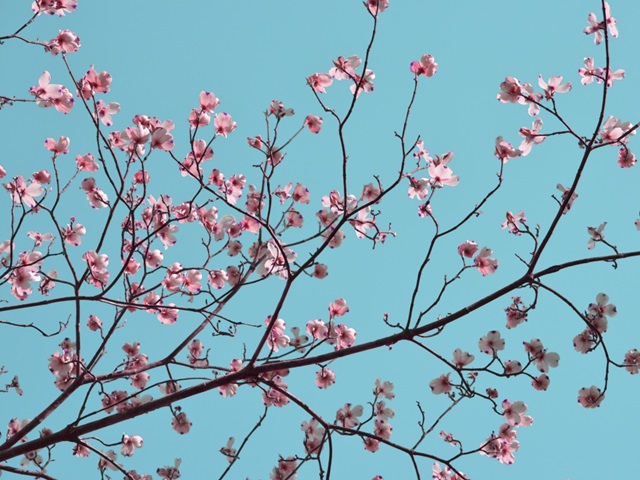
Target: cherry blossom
(426, 66)
(382, 429)
(565, 193)
(596, 235)
(180, 423)
(21, 192)
(313, 123)
(511, 90)
(512, 222)
(626, 159)
(552, 86)
(66, 41)
(170, 473)
(531, 137)
(97, 198)
(54, 7)
(94, 323)
(461, 359)
(338, 308)
(512, 367)
(541, 382)
(362, 84)
(228, 451)
(168, 315)
(345, 68)
(377, 6)
(325, 378)
(616, 132)
(491, 343)
(52, 95)
(483, 261)
(590, 397)
(129, 444)
(632, 361)
(61, 146)
(224, 124)
(418, 188)
(596, 27)
(442, 384)
(347, 416)
(442, 175)
(384, 389)
(468, 249)
(208, 101)
(93, 82)
(319, 82)
(505, 151)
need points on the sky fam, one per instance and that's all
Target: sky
(250, 53)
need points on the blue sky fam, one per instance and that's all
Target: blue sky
(250, 53)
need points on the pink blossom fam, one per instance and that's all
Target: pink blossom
(590, 397)
(461, 359)
(38, 238)
(363, 84)
(54, 7)
(491, 343)
(512, 222)
(66, 41)
(168, 315)
(565, 193)
(626, 159)
(319, 82)
(585, 341)
(139, 380)
(342, 336)
(596, 235)
(382, 428)
(418, 188)
(377, 6)
(21, 192)
(228, 450)
(276, 337)
(553, 86)
(531, 137)
(512, 367)
(345, 68)
(632, 361)
(313, 123)
(348, 416)
(514, 413)
(483, 261)
(541, 382)
(325, 378)
(52, 95)
(468, 249)
(97, 198)
(86, 162)
(170, 473)
(93, 82)
(129, 444)
(596, 27)
(180, 423)
(426, 66)
(602, 308)
(73, 234)
(105, 110)
(317, 329)
(384, 389)
(505, 151)
(511, 90)
(278, 109)
(3, 172)
(442, 175)
(94, 323)
(208, 101)
(616, 132)
(61, 146)
(590, 73)
(442, 384)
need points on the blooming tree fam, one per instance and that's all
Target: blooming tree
(165, 272)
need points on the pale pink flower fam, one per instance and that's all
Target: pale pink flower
(565, 193)
(317, 329)
(57, 147)
(590, 397)
(418, 188)
(54, 7)
(442, 384)
(483, 261)
(52, 95)
(505, 151)
(94, 323)
(553, 86)
(461, 359)
(129, 444)
(384, 389)
(87, 162)
(108, 461)
(426, 66)
(319, 82)
(93, 82)
(338, 308)
(616, 132)
(228, 451)
(377, 6)
(347, 416)
(277, 338)
(585, 341)
(139, 380)
(596, 27)
(632, 361)
(510, 90)
(491, 343)
(512, 222)
(105, 110)
(531, 137)
(345, 68)
(626, 159)
(66, 41)
(512, 367)
(208, 101)
(468, 249)
(170, 473)
(596, 235)
(180, 423)
(97, 198)
(325, 378)
(21, 192)
(541, 382)
(363, 84)
(163, 140)
(382, 428)
(514, 413)
(342, 336)
(442, 175)
(313, 123)
(73, 233)
(590, 73)
(168, 315)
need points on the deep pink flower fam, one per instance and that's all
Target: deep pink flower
(426, 66)
(313, 123)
